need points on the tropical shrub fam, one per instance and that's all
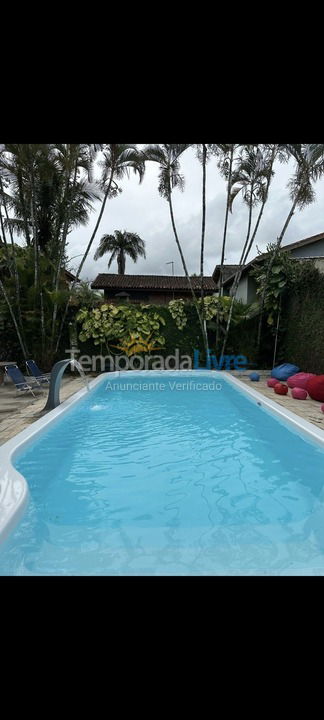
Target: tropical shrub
(135, 328)
(177, 311)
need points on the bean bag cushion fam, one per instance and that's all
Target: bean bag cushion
(254, 376)
(299, 393)
(284, 371)
(299, 380)
(322, 408)
(272, 382)
(281, 389)
(315, 387)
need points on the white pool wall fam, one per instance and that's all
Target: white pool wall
(14, 490)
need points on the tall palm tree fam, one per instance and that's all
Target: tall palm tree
(302, 194)
(11, 254)
(13, 317)
(117, 162)
(251, 178)
(119, 245)
(74, 204)
(202, 154)
(167, 157)
(47, 198)
(225, 155)
(225, 159)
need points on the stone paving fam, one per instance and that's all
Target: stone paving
(308, 409)
(19, 411)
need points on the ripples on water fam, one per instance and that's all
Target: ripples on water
(169, 482)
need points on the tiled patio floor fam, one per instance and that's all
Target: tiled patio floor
(307, 409)
(18, 411)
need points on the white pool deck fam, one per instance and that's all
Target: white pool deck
(304, 416)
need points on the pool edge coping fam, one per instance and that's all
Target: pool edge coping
(14, 491)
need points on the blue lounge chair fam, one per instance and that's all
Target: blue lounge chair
(34, 370)
(19, 381)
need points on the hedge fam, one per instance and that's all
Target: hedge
(302, 341)
(241, 340)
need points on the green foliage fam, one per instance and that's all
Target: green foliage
(134, 329)
(167, 156)
(177, 312)
(125, 324)
(38, 192)
(302, 340)
(250, 177)
(28, 307)
(284, 274)
(84, 297)
(215, 307)
(119, 245)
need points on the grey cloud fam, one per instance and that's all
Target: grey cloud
(140, 209)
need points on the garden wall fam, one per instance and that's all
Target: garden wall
(241, 341)
(302, 341)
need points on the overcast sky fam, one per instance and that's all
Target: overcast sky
(140, 209)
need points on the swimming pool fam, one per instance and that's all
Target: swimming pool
(138, 479)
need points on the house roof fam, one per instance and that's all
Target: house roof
(69, 275)
(306, 241)
(228, 270)
(150, 282)
(259, 258)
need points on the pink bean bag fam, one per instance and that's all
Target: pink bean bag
(299, 393)
(299, 380)
(315, 387)
(272, 382)
(281, 389)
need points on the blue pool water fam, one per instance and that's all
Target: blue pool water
(169, 482)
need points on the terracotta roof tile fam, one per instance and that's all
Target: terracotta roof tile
(150, 282)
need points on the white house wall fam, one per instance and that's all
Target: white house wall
(315, 249)
(242, 290)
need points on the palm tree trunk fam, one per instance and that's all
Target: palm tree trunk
(4, 239)
(221, 270)
(36, 261)
(2, 288)
(229, 183)
(23, 205)
(203, 224)
(14, 264)
(84, 258)
(186, 272)
(121, 262)
(62, 250)
(277, 331)
(279, 241)
(237, 278)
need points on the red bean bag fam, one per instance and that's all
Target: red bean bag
(281, 389)
(272, 382)
(299, 380)
(299, 393)
(315, 387)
